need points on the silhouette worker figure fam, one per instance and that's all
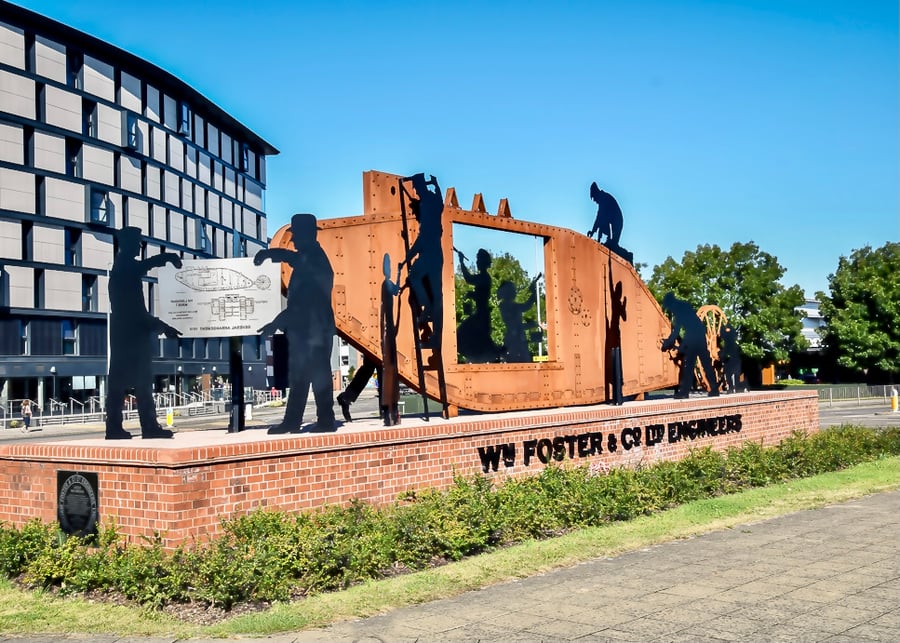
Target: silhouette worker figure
(474, 332)
(515, 336)
(731, 359)
(688, 337)
(425, 258)
(131, 330)
(609, 218)
(308, 322)
(389, 378)
(618, 304)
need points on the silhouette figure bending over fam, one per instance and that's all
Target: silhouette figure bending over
(308, 322)
(131, 331)
(688, 338)
(609, 218)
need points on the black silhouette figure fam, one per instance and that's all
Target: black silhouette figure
(389, 378)
(425, 259)
(730, 355)
(614, 376)
(516, 334)
(357, 383)
(608, 222)
(131, 330)
(308, 322)
(473, 335)
(688, 337)
(609, 218)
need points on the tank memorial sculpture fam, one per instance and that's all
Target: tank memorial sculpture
(587, 381)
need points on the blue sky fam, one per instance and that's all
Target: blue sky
(710, 121)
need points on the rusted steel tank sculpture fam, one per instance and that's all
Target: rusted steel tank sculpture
(577, 272)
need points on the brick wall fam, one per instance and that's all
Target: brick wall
(182, 487)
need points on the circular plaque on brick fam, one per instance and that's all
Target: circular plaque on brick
(76, 507)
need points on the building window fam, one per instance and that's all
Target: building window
(89, 118)
(11, 337)
(27, 241)
(73, 247)
(203, 243)
(89, 293)
(73, 157)
(74, 67)
(240, 246)
(68, 337)
(245, 157)
(38, 290)
(184, 119)
(131, 132)
(100, 207)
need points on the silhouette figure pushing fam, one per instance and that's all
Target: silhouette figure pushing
(308, 322)
(688, 338)
(131, 331)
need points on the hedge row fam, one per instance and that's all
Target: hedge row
(268, 555)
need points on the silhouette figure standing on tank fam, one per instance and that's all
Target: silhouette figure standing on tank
(688, 338)
(473, 335)
(512, 312)
(131, 333)
(308, 322)
(609, 220)
(425, 259)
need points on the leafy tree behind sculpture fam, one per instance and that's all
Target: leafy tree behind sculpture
(504, 267)
(862, 315)
(745, 283)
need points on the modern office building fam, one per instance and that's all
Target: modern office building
(93, 139)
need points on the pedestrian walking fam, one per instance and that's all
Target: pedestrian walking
(26, 414)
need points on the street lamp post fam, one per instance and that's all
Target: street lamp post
(52, 399)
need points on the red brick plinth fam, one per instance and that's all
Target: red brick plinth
(183, 486)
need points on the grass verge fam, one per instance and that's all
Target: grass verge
(39, 612)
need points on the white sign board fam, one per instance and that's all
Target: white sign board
(219, 297)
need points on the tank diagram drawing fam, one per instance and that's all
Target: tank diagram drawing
(214, 279)
(219, 297)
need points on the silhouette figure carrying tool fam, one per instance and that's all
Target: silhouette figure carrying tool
(308, 322)
(425, 258)
(473, 335)
(688, 338)
(132, 331)
(614, 376)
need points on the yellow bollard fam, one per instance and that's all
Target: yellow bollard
(170, 417)
(894, 400)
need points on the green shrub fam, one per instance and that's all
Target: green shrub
(269, 555)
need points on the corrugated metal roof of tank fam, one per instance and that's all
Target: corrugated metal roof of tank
(165, 81)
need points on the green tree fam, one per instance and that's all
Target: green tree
(504, 267)
(745, 283)
(862, 315)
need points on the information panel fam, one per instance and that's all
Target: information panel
(219, 297)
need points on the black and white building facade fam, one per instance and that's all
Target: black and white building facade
(93, 139)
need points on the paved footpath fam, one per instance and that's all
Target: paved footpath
(831, 574)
